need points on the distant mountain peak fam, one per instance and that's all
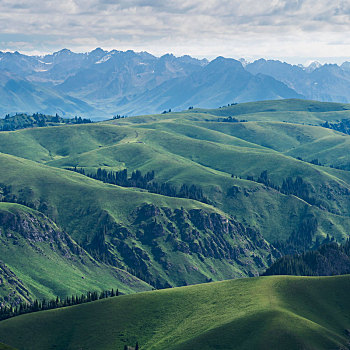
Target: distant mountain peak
(243, 61)
(225, 62)
(62, 52)
(98, 50)
(346, 66)
(313, 66)
(167, 56)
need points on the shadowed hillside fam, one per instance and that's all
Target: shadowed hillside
(328, 260)
(259, 313)
(39, 260)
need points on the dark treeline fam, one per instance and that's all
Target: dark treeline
(23, 121)
(313, 161)
(146, 182)
(231, 120)
(327, 260)
(118, 116)
(37, 305)
(296, 187)
(301, 239)
(229, 105)
(342, 126)
(317, 162)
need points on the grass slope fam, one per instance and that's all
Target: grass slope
(185, 148)
(45, 262)
(276, 312)
(157, 237)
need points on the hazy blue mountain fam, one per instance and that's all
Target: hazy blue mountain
(346, 66)
(17, 63)
(101, 83)
(120, 74)
(220, 82)
(19, 95)
(327, 82)
(129, 82)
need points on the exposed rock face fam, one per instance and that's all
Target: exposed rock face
(174, 247)
(36, 229)
(12, 289)
(31, 234)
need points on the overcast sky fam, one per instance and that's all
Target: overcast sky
(293, 30)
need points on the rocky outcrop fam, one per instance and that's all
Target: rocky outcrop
(37, 228)
(207, 245)
(12, 289)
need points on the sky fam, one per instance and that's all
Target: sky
(297, 31)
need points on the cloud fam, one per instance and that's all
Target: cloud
(269, 28)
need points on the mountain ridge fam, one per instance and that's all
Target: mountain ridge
(101, 83)
(121, 82)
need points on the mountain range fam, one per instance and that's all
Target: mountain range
(100, 83)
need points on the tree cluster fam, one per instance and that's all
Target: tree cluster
(231, 120)
(146, 182)
(37, 305)
(118, 116)
(229, 104)
(296, 187)
(328, 260)
(342, 126)
(317, 162)
(23, 121)
(300, 239)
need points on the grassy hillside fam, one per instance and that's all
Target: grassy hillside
(163, 240)
(39, 260)
(195, 148)
(276, 312)
(158, 238)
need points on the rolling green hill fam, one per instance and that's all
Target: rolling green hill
(257, 175)
(163, 240)
(276, 312)
(194, 148)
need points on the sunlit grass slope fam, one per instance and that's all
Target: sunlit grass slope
(276, 312)
(46, 261)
